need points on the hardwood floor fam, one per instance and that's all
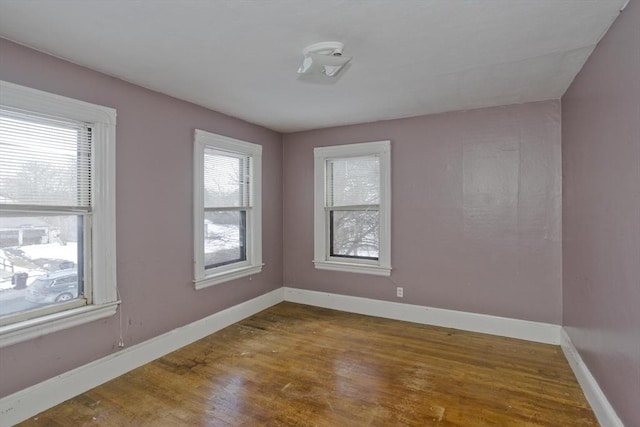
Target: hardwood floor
(296, 365)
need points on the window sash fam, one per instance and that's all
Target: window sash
(361, 182)
(354, 180)
(332, 230)
(213, 178)
(242, 237)
(218, 171)
(83, 266)
(42, 311)
(42, 210)
(46, 161)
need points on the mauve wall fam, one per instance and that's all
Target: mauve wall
(154, 217)
(476, 212)
(601, 214)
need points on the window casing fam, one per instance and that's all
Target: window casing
(57, 182)
(352, 212)
(227, 209)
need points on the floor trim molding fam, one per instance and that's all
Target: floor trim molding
(26, 403)
(494, 325)
(605, 413)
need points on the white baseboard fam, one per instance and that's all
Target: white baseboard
(605, 413)
(514, 328)
(26, 403)
(39, 397)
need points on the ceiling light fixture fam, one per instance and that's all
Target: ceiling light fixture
(323, 58)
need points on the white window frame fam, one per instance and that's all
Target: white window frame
(203, 277)
(100, 260)
(322, 260)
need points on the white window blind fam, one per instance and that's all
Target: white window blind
(44, 161)
(353, 181)
(226, 180)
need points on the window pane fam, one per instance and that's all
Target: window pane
(353, 181)
(226, 180)
(224, 237)
(44, 161)
(355, 234)
(39, 258)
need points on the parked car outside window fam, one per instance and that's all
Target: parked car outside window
(54, 287)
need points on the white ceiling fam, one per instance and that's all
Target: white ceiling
(410, 57)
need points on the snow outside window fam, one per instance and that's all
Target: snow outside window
(227, 209)
(353, 208)
(57, 234)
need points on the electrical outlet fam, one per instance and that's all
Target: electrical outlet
(399, 292)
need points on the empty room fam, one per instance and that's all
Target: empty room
(320, 213)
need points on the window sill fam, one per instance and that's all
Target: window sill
(44, 325)
(216, 279)
(375, 270)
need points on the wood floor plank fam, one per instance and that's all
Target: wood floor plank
(296, 365)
